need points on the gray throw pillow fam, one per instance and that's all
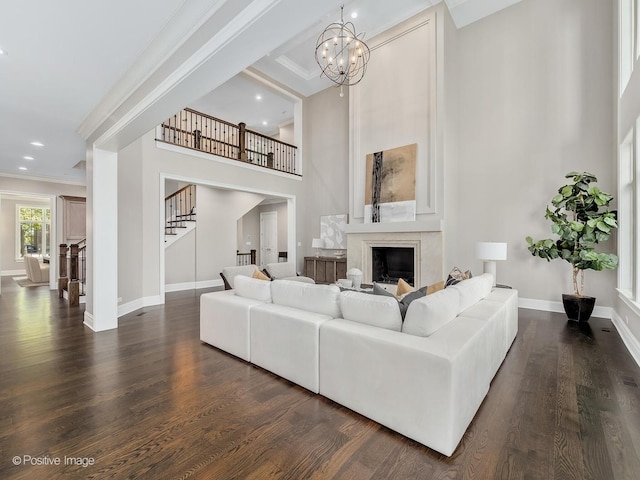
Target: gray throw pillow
(406, 300)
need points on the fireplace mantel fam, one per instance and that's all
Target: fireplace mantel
(427, 245)
(395, 227)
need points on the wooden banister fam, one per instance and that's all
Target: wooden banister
(205, 133)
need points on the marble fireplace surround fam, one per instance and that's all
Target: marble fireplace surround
(426, 241)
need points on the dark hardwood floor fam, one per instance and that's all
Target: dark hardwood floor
(148, 400)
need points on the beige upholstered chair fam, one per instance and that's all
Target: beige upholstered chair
(36, 272)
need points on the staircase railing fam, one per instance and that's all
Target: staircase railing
(179, 208)
(196, 130)
(72, 268)
(246, 258)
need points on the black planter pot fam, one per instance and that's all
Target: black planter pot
(578, 308)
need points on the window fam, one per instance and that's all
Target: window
(627, 45)
(626, 207)
(33, 230)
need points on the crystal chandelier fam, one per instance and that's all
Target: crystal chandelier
(341, 53)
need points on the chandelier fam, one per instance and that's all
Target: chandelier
(341, 53)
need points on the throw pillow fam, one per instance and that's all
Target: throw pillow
(403, 287)
(410, 297)
(259, 275)
(407, 297)
(436, 287)
(378, 290)
(456, 276)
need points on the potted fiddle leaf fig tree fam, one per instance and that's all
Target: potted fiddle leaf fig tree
(581, 219)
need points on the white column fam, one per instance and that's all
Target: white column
(102, 240)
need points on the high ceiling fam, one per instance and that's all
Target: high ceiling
(62, 57)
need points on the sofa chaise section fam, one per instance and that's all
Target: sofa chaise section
(427, 388)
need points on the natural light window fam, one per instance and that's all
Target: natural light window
(627, 41)
(626, 201)
(33, 230)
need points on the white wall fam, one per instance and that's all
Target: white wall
(326, 162)
(216, 228)
(249, 228)
(285, 133)
(130, 220)
(535, 102)
(140, 280)
(180, 263)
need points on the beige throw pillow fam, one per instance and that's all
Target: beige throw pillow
(259, 275)
(436, 287)
(403, 288)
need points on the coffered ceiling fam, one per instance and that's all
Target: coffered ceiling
(62, 57)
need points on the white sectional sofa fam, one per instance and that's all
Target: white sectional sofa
(424, 377)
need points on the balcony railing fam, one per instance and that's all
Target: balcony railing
(205, 133)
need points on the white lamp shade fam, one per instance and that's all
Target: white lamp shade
(317, 243)
(491, 251)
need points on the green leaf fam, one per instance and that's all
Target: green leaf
(566, 191)
(577, 226)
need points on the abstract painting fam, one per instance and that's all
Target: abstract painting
(332, 231)
(390, 185)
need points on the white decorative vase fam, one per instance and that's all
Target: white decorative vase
(355, 276)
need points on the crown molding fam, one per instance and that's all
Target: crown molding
(295, 68)
(39, 178)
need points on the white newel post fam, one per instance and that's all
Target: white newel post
(102, 241)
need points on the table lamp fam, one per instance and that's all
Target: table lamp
(317, 243)
(489, 252)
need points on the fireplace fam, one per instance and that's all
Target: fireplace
(425, 245)
(389, 264)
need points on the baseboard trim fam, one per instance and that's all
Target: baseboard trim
(210, 283)
(139, 303)
(178, 287)
(548, 306)
(629, 340)
(88, 320)
(13, 273)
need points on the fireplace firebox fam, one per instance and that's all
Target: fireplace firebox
(389, 264)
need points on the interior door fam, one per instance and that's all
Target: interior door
(268, 237)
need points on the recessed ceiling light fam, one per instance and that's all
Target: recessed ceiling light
(27, 157)
(3, 52)
(264, 123)
(37, 144)
(354, 14)
(22, 168)
(258, 97)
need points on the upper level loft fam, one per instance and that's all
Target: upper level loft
(198, 131)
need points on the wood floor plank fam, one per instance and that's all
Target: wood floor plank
(150, 401)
